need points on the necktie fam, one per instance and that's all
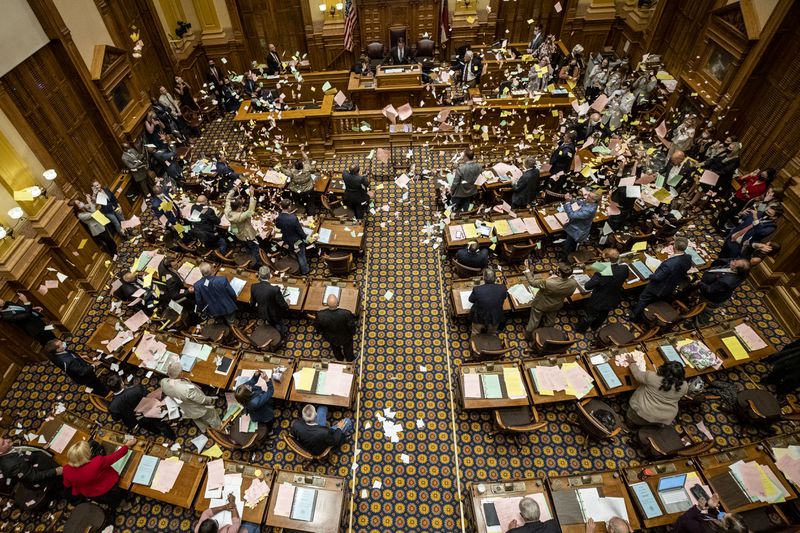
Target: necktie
(400, 54)
(739, 235)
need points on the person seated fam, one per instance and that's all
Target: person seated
(718, 285)
(706, 516)
(76, 368)
(32, 467)
(655, 400)
(129, 288)
(362, 67)
(473, 256)
(486, 314)
(399, 54)
(257, 402)
(122, 408)
(761, 250)
(313, 432)
(94, 477)
(614, 525)
(752, 229)
(207, 524)
(530, 513)
(205, 222)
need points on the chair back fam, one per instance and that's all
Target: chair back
(488, 346)
(425, 49)
(660, 442)
(375, 51)
(395, 33)
(518, 252)
(591, 425)
(100, 402)
(339, 263)
(757, 406)
(551, 341)
(302, 452)
(464, 271)
(518, 419)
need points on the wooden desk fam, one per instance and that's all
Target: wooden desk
(609, 484)
(49, 428)
(284, 281)
(267, 361)
(249, 473)
(345, 402)
(336, 185)
(496, 368)
(328, 509)
(342, 235)
(508, 490)
(658, 359)
(632, 282)
(517, 279)
(250, 277)
(258, 176)
(104, 332)
(398, 75)
(661, 470)
(713, 337)
(715, 468)
(111, 441)
(558, 226)
(623, 373)
(558, 396)
(453, 243)
(349, 298)
(466, 286)
(186, 487)
(322, 182)
(521, 214)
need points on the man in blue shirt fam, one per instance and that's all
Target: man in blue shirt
(581, 214)
(215, 296)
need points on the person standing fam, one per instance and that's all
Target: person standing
(526, 187)
(487, 300)
(257, 402)
(137, 166)
(269, 302)
(241, 222)
(550, 298)
(463, 188)
(108, 205)
(356, 191)
(663, 282)
(581, 215)
(301, 184)
(215, 296)
(122, 408)
(99, 232)
(337, 326)
(562, 156)
(607, 288)
(293, 235)
(274, 63)
(194, 405)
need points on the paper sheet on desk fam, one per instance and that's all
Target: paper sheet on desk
(521, 294)
(601, 509)
(284, 499)
(788, 460)
(62, 438)
(749, 337)
(464, 297)
(513, 380)
(197, 350)
(216, 475)
(238, 285)
(136, 321)
(303, 379)
(472, 386)
(166, 474)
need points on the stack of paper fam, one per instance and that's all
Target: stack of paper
(257, 491)
(216, 478)
(197, 350)
(304, 379)
(599, 508)
(456, 232)
(531, 226)
(62, 437)
(166, 474)
(522, 294)
(749, 337)
(464, 298)
(788, 460)
(238, 285)
(758, 482)
(146, 470)
(337, 381)
(513, 380)
(284, 499)
(569, 377)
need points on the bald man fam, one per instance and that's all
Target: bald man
(194, 405)
(677, 169)
(531, 514)
(337, 326)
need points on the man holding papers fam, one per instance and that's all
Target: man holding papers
(487, 314)
(606, 285)
(208, 524)
(313, 432)
(550, 297)
(215, 296)
(292, 234)
(269, 302)
(257, 402)
(122, 408)
(665, 279)
(194, 405)
(581, 214)
(655, 400)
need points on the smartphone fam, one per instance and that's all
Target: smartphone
(698, 492)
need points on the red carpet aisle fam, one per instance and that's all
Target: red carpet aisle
(404, 377)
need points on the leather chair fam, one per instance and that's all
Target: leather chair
(426, 50)
(213, 331)
(234, 439)
(618, 334)
(664, 316)
(100, 402)
(757, 406)
(661, 442)
(551, 341)
(280, 262)
(87, 517)
(340, 263)
(488, 346)
(584, 255)
(302, 452)
(395, 33)
(337, 208)
(464, 271)
(260, 335)
(375, 54)
(518, 420)
(516, 252)
(590, 424)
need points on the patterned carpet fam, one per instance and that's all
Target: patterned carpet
(410, 346)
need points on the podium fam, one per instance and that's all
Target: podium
(398, 76)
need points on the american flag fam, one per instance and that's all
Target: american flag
(350, 21)
(444, 23)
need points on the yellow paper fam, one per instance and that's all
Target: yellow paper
(554, 112)
(100, 217)
(215, 451)
(639, 246)
(147, 280)
(24, 195)
(735, 348)
(586, 171)
(304, 381)
(502, 227)
(82, 244)
(470, 231)
(165, 206)
(514, 386)
(540, 391)
(664, 76)
(551, 88)
(470, 20)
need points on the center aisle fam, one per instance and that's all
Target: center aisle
(404, 374)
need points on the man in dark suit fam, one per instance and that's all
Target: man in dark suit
(269, 302)
(487, 314)
(473, 256)
(31, 466)
(525, 188)
(719, 283)
(471, 69)
(205, 222)
(463, 188)
(562, 156)
(663, 282)
(531, 514)
(274, 63)
(26, 317)
(399, 55)
(225, 174)
(76, 368)
(356, 191)
(677, 169)
(606, 287)
(215, 296)
(751, 229)
(215, 76)
(122, 408)
(536, 40)
(315, 435)
(337, 326)
(163, 205)
(592, 125)
(293, 234)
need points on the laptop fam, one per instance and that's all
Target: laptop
(673, 495)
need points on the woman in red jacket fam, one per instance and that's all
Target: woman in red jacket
(752, 186)
(94, 477)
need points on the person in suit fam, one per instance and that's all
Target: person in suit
(293, 234)
(313, 432)
(785, 373)
(531, 514)
(606, 292)
(216, 80)
(753, 228)
(31, 466)
(98, 231)
(562, 156)
(708, 517)
(107, 203)
(76, 368)
(526, 187)
(362, 67)
(719, 283)
(593, 125)
(536, 40)
(581, 215)
(399, 54)
(463, 188)
(274, 63)
(473, 256)
(194, 405)
(471, 69)
(550, 298)
(301, 184)
(257, 402)
(337, 326)
(130, 285)
(269, 301)
(122, 408)
(677, 169)
(241, 222)
(163, 205)
(137, 165)
(356, 191)
(655, 400)
(487, 314)
(663, 282)
(225, 175)
(94, 477)
(205, 222)
(215, 296)
(27, 318)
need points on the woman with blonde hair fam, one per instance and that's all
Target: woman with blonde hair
(94, 477)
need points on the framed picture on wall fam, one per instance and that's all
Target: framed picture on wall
(719, 63)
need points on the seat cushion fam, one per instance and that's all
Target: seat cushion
(265, 335)
(214, 332)
(666, 438)
(516, 416)
(617, 334)
(665, 310)
(487, 342)
(550, 334)
(765, 402)
(288, 265)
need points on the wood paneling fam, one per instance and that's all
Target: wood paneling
(269, 21)
(44, 91)
(680, 26)
(375, 17)
(514, 16)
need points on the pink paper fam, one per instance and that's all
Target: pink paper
(62, 438)
(404, 111)
(244, 423)
(340, 98)
(382, 155)
(391, 113)
(624, 182)
(612, 209)
(531, 226)
(131, 223)
(284, 499)
(402, 181)
(600, 103)
(339, 383)
(661, 130)
(562, 217)
(751, 339)
(443, 114)
(51, 283)
(588, 142)
(166, 474)
(577, 164)
(119, 340)
(216, 472)
(644, 179)
(472, 386)
(136, 321)
(709, 178)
